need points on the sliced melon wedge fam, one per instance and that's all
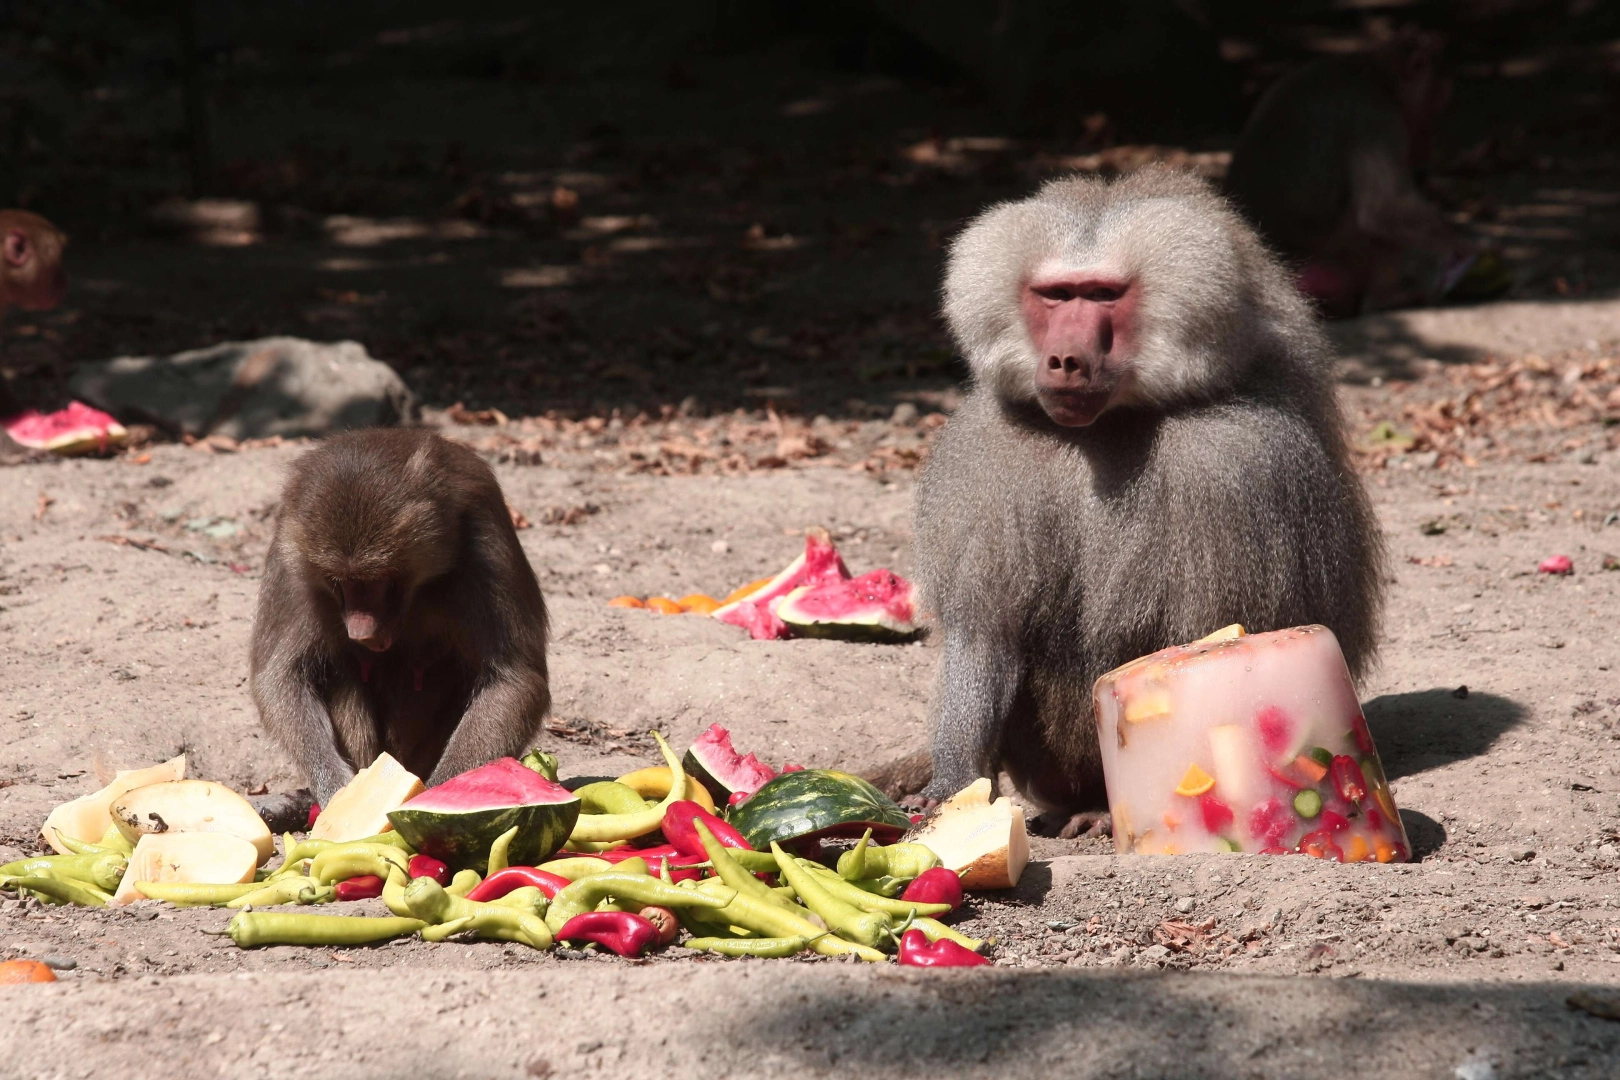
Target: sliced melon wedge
(87, 818)
(198, 858)
(360, 807)
(984, 841)
(182, 806)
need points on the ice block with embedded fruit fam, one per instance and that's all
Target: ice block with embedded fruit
(1245, 742)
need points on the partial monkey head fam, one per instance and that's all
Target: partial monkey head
(31, 274)
(1092, 295)
(371, 521)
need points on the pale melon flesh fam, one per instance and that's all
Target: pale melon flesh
(360, 807)
(197, 858)
(87, 818)
(183, 806)
(985, 842)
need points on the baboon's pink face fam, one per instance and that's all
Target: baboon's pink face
(1083, 328)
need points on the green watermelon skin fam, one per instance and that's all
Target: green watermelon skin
(461, 841)
(821, 802)
(436, 824)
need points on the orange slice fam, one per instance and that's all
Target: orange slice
(743, 590)
(663, 605)
(626, 602)
(698, 604)
(1195, 782)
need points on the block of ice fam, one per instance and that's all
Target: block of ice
(1245, 742)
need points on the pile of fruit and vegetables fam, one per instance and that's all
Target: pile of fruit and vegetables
(719, 853)
(814, 596)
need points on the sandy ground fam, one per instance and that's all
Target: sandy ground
(1234, 966)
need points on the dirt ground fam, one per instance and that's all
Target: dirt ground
(128, 589)
(730, 336)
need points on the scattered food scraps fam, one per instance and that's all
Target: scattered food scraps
(1557, 564)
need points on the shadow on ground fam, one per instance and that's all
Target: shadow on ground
(1425, 729)
(1149, 1024)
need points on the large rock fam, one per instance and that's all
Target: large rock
(251, 389)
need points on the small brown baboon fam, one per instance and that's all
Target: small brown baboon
(31, 277)
(1326, 168)
(1151, 449)
(397, 612)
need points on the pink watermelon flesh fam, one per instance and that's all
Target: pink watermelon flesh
(503, 782)
(721, 769)
(756, 612)
(75, 424)
(874, 605)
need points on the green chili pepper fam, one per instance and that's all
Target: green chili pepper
(113, 840)
(868, 928)
(576, 868)
(287, 890)
(449, 915)
(766, 919)
(104, 870)
(610, 797)
(463, 883)
(935, 930)
(63, 892)
(253, 928)
(763, 946)
(527, 898)
(755, 862)
(599, 827)
(904, 861)
(389, 838)
(640, 889)
(343, 861)
(498, 851)
(393, 893)
(78, 847)
(733, 873)
(189, 894)
(851, 893)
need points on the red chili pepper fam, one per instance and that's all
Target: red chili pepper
(429, 867)
(941, 885)
(1348, 779)
(678, 830)
(1271, 820)
(1320, 845)
(502, 882)
(1332, 821)
(1217, 815)
(314, 812)
(623, 932)
(360, 888)
(1359, 732)
(915, 951)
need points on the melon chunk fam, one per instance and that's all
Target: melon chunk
(87, 818)
(182, 806)
(984, 841)
(196, 858)
(360, 807)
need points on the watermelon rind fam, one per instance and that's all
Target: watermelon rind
(756, 612)
(461, 838)
(872, 620)
(704, 759)
(817, 802)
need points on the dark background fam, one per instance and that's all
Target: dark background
(592, 207)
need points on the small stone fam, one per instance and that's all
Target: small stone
(1186, 904)
(1557, 965)
(719, 547)
(904, 413)
(60, 963)
(602, 569)
(1154, 954)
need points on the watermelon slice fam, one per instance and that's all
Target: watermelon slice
(720, 769)
(456, 821)
(756, 612)
(817, 803)
(77, 429)
(873, 607)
